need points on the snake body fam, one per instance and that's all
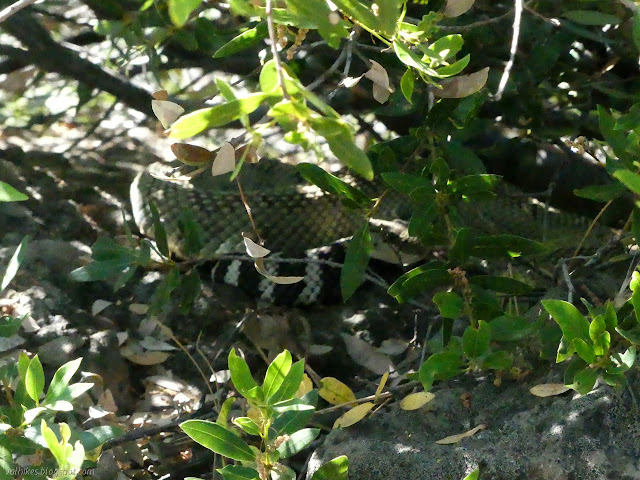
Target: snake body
(306, 227)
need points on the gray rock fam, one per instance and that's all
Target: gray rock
(568, 437)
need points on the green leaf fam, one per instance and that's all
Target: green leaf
(610, 316)
(507, 285)
(636, 30)
(245, 40)
(159, 233)
(502, 245)
(349, 196)
(441, 366)
(293, 420)
(99, 270)
(478, 183)
(34, 379)
(188, 290)
(290, 384)
(584, 380)
(248, 425)
(336, 469)
(454, 68)
(93, 437)
(462, 246)
(591, 17)
(410, 59)
(616, 139)
(240, 374)
(10, 194)
(363, 14)
(507, 328)
(61, 380)
(6, 461)
(238, 472)
(419, 188)
(356, 261)
(630, 179)
(406, 84)
(276, 373)
(499, 360)
(192, 231)
(14, 263)
(218, 439)
(212, 117)
(601, 193)
(584, 350)
(418, 280)
(571, 321)
(475, 342)
(450, 304)
(340, 141)
(475, 475)
(320, 13)
(445, 47)
(297, 442)
(179, 10)
(9, 325)
(631, 334)
(597, 327)
(162, 293)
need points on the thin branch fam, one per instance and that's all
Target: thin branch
(514, 49)
(274, 49)
(14, 8)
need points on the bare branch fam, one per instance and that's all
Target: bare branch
(13, 8)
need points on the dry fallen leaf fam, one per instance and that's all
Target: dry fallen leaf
(191, 154)
(393, 346)
(456, 438)
(414, 401)
(160, 95)
(549, 389)
(335, 392)
(260, 267)
(166, 112)
(383, 382)
(381, 87)
(305, 386)
(139, 357)
(99, 305)
(138, 308)
(367, 356)
(462, 85)
(225, 161)
(253, 249)
(353, 416)
(456, 8)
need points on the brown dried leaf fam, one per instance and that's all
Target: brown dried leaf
(139, 357)
(381, 86)
(166, 112)
(456, 8)
(191, 154)
(253, 249)
(225, 161)
(549, 389)
(160, 95)
(456, 438)
(367, 356)
(462, 85)
(99, 305)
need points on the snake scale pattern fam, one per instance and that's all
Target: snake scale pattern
(304, 226)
